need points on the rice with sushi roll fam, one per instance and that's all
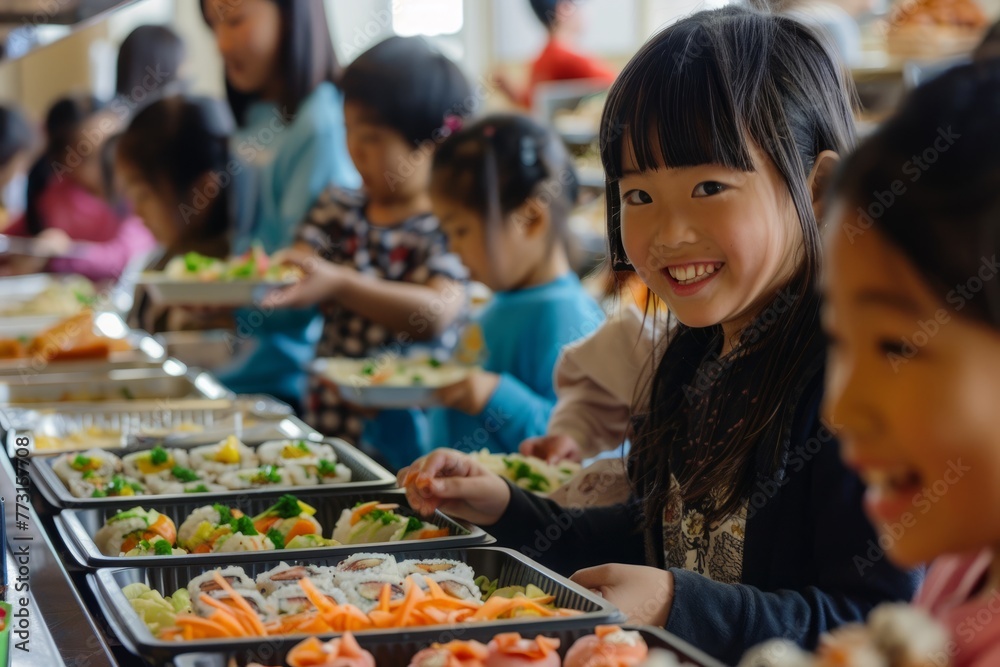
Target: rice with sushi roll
(293, 600)
(289, 518)
(255, 478)
(155, 462)
(285, 575)
(257, 602)
(457, 587)
(123, 531)
(311, 542)
(324, 471)
(226, 456)
(155, 547)
(209, 514)
(367, 564)
(294, 452)
(206, 583)
(364, 591)
(80, 465)
(177, 475)
(237, 542)
(426, 566)
(159, 486)
(369, 523)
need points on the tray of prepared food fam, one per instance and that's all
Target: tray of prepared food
(195, 279)
(600, 646)
(393, 382)
(407, 596)
(528, 472)
(226, 469)
(44, 295)
(310, 524)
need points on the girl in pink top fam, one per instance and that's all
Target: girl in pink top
(68, 209)
(912, 310)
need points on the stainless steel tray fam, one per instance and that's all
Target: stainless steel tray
(506, 565)
(393, 653)
(78, 527)
(201, 349)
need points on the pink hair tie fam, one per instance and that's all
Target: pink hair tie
(453, 123)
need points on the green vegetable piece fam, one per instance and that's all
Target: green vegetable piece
(413, 524)
(301, 445)
(158, 456)
(201, 488)
(244, 525)
(225, 515)
(417, 379)
(127, 394)
(80, 461)
(287, 507)
(277, 538)
(163, 548)
(184, 474)
(88, 474)
(434, 363)
(368, 369)
(267, 475)
(99, 493)
(326, 468)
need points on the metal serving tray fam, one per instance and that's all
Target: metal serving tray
(506, 565)
(71, 427)
(78, 527)
(394, 653)
(172, 381)
(366, 475)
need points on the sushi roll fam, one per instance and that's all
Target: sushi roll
(229, 455)
(123, 531)
(206, 583)
(436, 566)
(456, 587)
(155, 462)
(324, 471)
(238, 541)
(155, 547)
(293, 600)
(368, 565)
(510, 650)
(255, 478)
(288, 518)
(86, 465)
(285, 575)
(369, 523)
(364, 591)
(310, 542)
(257, 602)
(342, 652)
(777, 653)
(453, 654)
(294, 452)
(169, 485)
(609, 646)
(908, 634)
(196, 528)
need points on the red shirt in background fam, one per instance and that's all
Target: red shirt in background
(557, 62)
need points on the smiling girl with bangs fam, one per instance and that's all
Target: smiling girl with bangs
(718, 140)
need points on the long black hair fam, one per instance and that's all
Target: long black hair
(501, 162)
(708, 89)
(173, 143)
(16, 134)
(149, 50)
(306, 56)
(62, 128)
(947, 221)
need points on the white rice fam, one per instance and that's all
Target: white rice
(285, 575)
(237, 542)
(366, 564)
(110, 537)
(431, 566)
(363, 592)
(236, 577)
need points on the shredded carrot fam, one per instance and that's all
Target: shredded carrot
(258, 626)
(362, 510)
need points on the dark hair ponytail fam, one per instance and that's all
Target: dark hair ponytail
(176, 141)
(500, 163)
(707, 90)
(62, 128)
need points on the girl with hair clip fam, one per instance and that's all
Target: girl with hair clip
(388, 282)
(283, 86)
(150, 61)
(172, 163)
(504, 189)
(68, 209)
(912, 313)
(718, 140)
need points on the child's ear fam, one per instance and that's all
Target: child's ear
(819, 180)
(531, 218)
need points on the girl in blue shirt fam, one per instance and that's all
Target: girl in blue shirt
(282, 81)
(503, 190)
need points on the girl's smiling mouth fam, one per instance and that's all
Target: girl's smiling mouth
(686, 279)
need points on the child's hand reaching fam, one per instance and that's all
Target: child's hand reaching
(552, 448)
(321, 280)
(456, 484)
(470, 395)
(644, 594)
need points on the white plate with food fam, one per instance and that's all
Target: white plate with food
(390, 382)
(197, 280)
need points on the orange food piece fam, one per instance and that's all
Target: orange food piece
(11, 348)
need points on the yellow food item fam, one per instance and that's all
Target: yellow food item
(147, 467)
(229, 452)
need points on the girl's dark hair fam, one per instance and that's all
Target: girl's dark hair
(406, 84)
(149, 51)
(545, 10)
(943, 150)
(710, 89)
(16, 134)
(176, 141)
(496, 165)
(307, 57)
(62, 128)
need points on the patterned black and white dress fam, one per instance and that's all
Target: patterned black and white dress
(413, 251)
